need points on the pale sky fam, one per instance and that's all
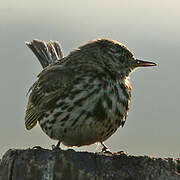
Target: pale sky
(150, 29)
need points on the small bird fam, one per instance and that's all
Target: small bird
(82, 98)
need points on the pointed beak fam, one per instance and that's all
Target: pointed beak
(140, 63)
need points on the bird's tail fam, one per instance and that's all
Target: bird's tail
(45, 52)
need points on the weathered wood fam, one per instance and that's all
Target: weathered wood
(44, 164)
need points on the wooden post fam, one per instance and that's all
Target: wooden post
(44, 164)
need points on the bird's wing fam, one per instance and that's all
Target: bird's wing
(53, 83)
(57, 82)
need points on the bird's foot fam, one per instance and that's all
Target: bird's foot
(57, 146)
(122, 153)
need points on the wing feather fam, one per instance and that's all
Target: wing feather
(50, 86)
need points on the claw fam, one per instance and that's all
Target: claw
(57, 146)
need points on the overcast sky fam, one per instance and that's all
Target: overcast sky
(151, 29)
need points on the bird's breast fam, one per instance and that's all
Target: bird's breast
(115, 102)
(88, 116)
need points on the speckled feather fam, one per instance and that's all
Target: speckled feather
(83, 98)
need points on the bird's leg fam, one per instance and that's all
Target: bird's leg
(105, 149)
(57, 146)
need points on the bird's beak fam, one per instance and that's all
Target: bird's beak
(140, 63)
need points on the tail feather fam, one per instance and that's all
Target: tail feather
(45, 52)
(55, 50)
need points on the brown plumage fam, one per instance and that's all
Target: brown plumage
(84, 97)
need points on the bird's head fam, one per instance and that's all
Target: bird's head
(115, 56)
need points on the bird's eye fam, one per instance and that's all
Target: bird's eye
(114, 52)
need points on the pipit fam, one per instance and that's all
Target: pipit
(82, 98)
